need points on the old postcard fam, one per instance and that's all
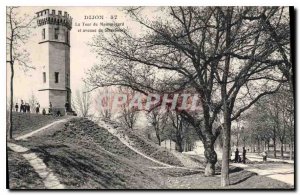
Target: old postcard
(150, 97)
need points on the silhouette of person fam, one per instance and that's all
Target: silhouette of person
(37, 108)
(50, 108)
(236, 156)
(22, 106)
(28, 108)
(44, 111)
(17, 107)
(264, 155)
(67, 106)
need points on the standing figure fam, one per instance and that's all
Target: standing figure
(28, 108)
(37, 108)
(22, 106)
(50, 108)
(244, 155)
(17, 107)
(44, 111)
(236, 156)
(67, 106)
(264, 155)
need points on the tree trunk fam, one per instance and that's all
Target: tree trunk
(11, 100)
(258, 146)
(281, 149)
(274, 139)
(225, 157)
(158, 138)
(291, 149)
(179, 146)
(227, 109)
(268, 145)
(285, 147)
(210, 155)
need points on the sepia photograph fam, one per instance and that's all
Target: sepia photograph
(150, 98)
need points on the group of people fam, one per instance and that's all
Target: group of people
(237, 157)
(25, 107)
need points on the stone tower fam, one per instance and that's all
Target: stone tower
(54, 59)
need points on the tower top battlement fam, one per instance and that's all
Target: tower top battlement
(60, 18)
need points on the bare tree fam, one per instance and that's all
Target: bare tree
(221, 53)
(158, 120)
(82, 102)
(32, 101)
(18, 32)
(103, 102)
(129, 116)
(181, 127)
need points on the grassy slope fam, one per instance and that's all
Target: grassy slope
(25, 122)
(83, 155)
(151, 149)
(22, 175)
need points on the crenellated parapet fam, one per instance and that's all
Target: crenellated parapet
(46, 17)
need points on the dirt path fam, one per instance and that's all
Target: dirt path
(24, 137)
(280, 172)
(49, 179)
(257, 157)
(125, 140)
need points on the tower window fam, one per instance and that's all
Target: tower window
(43, 33)
(44, 77)
(56, 77)
(56, 33)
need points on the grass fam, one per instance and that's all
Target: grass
(26, 122)
(85, 156)
(21, 174)
(151, 149)
(239, 179)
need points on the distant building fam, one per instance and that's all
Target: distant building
(54, 59)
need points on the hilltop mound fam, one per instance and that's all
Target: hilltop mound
(84, 155)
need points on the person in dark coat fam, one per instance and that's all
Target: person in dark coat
(244, 155)
(67, 106)
(37, 108)
(236, 156)
(22, 106)
(17, 107)
(50, 108)
(28, 108)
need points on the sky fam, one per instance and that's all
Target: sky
(81, 57)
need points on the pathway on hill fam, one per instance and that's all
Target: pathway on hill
(49, 179)
(24, 137)
(185, 159)
(115, 131)
(125, 140)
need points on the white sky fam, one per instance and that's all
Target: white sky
(81, 57)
